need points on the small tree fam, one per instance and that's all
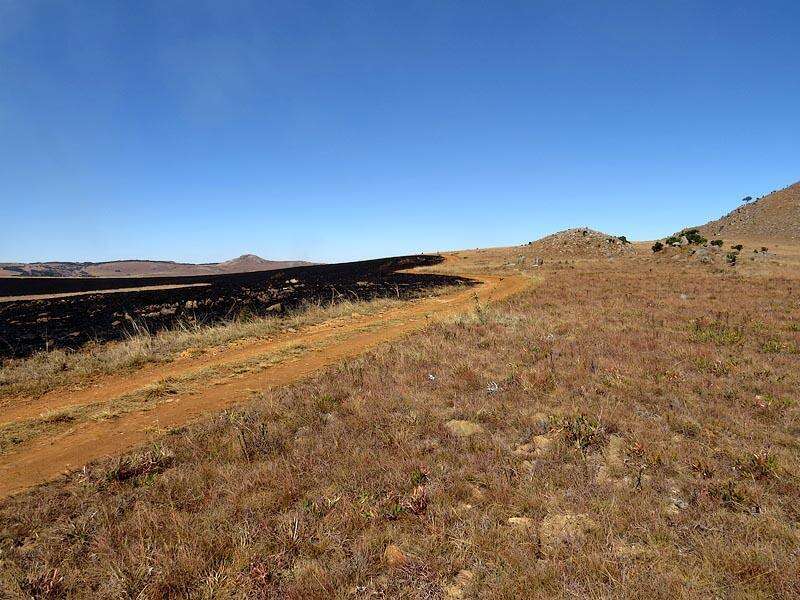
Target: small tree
(657, 247)
(747, 199)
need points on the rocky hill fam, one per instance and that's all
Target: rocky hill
(582, 242)
(775, 216)
(143, 268)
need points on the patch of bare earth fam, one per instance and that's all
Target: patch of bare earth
(625, 428)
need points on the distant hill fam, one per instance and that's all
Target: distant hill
(776, 216)
(143, 268)
(581, 242)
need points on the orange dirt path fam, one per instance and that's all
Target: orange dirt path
(45, 457)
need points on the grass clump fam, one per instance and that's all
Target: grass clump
(582, 432)
(776, 346)
(150, 462)
(716, 331)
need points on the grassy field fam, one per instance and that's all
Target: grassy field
(624, 428)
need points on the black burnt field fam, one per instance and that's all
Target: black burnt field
(30, 326)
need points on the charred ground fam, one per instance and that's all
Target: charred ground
(29, 326)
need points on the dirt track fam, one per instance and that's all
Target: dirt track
(45, 457)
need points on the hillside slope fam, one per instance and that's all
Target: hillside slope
(581, 242)
(776, 216)
(144, 268)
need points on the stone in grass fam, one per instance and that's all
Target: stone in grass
(520, 522)
(538, 446)
(394, 557)
(557, 532)
(463, 428)
(458, 589)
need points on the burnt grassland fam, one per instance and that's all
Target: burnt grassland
(625, 429)
(31, 326)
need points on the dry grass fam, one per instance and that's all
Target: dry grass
(48, 370)
(639, 422)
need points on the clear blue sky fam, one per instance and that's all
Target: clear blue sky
(200, 130)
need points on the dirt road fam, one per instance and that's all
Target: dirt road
(286, 358)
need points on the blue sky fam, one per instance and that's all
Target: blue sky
(202, 130)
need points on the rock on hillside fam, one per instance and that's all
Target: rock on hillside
(776, 216)
(582, 242)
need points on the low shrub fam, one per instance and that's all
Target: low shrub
(694, 237)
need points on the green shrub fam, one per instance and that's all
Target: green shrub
(658, 246)
(716, 242)
(694, 237)
(737, 247)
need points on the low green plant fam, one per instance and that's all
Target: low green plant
(761, 465)
(779, 347)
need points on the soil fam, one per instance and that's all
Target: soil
(46, 457)
(62, 319)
